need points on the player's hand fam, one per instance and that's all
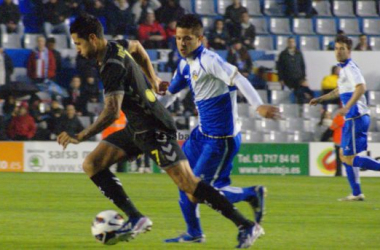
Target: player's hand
(268, 111)
(161, 86)
(342, 111)
(314, 101)
(65, 139)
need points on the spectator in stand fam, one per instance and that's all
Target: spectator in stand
(141, 7)
(69, 122)
(22, 126)
(54, 121)
(9, 106)
(292, 72)
(85, 67)
(50, 44)
(238, 55)
(41, 63)
(55, 13)
(232, 17)
(294, 7)
(363, 44)
(119, 18)
(169, 11)
(170, 33)
(76, 96)
(10, 17)
(91, 90)
(6, 68)
(151, 34)
(219, 36)
(258, 79)
(41, 117)
(95, 7)
(329, 83)
(247, 31)
(75, 6)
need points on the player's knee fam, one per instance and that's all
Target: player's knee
(89, 166)
(348, 160)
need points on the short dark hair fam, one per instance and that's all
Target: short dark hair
(191, 21)
(86, 24)
(50, 40)
(344, 39)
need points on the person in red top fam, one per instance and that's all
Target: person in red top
(336, 128)
(41, 63)
(170, 33)
(22, 126)
(151, 34)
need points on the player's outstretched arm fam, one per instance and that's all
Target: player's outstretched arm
(254, 99)
(110, 113)
(330, 96)
(142, 58)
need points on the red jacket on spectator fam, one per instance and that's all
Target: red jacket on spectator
(37, 65)
(170, 33)
(22, 126)
(145, 31)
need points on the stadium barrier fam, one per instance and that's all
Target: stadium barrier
(313, 159)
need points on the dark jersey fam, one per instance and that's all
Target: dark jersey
(122, 75)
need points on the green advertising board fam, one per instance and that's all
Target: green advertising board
(272, 159)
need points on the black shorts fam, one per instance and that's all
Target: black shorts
(162, 147)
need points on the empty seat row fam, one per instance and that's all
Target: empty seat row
(29, 41)
(340, 8)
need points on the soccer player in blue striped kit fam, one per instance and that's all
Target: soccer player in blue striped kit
(351, 89)
(215, 142)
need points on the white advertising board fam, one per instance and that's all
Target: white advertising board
(50, 157)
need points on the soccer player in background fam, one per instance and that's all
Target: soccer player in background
(351, 89)
(150, 130)
(213, 144)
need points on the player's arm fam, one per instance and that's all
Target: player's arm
(110, 113)
(329, 96)
(359, 91)
(140, 55)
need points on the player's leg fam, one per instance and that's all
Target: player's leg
(348, 151)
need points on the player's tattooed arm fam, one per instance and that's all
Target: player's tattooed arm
(330, 96)
(110, 113)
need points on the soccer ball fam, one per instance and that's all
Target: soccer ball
(104, 226)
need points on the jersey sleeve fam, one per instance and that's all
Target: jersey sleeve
(178, 81)
(222, 70)
(357, 75)
(113, 75)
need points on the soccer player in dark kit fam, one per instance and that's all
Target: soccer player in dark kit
(150, 130)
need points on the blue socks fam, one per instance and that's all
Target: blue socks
(367, 163)
(353, 179)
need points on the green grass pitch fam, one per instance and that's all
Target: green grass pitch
(54, 211)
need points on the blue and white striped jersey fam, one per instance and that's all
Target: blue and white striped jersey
(350, 76)
(209, 78)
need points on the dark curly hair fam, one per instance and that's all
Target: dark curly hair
(191, 21)
(344, 39)
(84, 25)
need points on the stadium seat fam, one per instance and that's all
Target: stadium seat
(260, 24)
(247, 124)
(208, 23)
(264, 95)
(373, 97)
(373, 136)
(252, 137)
(280, 96)
(374, 41)
(311, 111)
(289, 110)
(303, 26)
(281, 42)
(280, 26)
(85, 120)
(309, 43)
(264, 43)
(365, 8)
(343, 8)
(355, 40)
(373, 126)
(30, 41)
(10, 41)
(326, 40)
(60, 41)
(205, 7)
(20, 75)
(266, 125)
(298, 136)
(95, 108)
(350, 26)
(293, 124)
(193, 122)
(187, 5)
(275, 136)
(253, 7)
(242, 109)
(273, 8)
(326, 26)
(222, 6)
(332, 107)
(323, 8)
(371, 26)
